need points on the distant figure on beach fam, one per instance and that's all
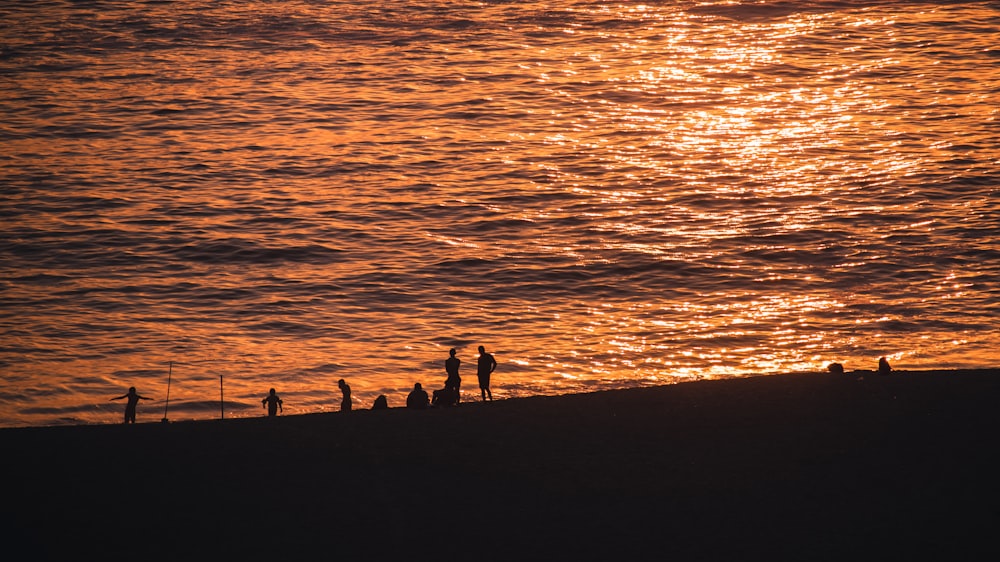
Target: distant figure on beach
(487, 364)
(836, 368)
(345, 403)
(133, 399)
(417, 398)
(883, 366)
(454, 382)
(272, 403)
(380, 403)
(444, 397)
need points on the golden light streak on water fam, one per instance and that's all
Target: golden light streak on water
(607, 195)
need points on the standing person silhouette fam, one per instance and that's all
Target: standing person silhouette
(453, 381)
(133, 399)
(345, 403)
(272, 403)
(487, 364)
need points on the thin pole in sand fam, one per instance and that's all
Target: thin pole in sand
(170, 374)
(222, 401)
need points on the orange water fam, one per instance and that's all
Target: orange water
(604, 195)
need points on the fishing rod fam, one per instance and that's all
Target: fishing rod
(170, 373)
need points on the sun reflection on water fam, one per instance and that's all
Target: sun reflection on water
(610, 195)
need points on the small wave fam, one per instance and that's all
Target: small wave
(237, 251)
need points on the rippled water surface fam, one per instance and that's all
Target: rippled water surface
(283, 194)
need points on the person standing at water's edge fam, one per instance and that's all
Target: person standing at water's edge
(345, 403)
(454, 382)
(133, 399)
(487, 364)
(272, 403)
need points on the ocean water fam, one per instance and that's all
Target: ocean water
(245, 195)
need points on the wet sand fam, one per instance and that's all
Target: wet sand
(792, 467)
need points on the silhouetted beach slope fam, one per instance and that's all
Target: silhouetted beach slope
(793, 467)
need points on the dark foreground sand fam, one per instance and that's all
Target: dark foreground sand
(793, 467)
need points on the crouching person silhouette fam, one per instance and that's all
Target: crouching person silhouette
(444, 397)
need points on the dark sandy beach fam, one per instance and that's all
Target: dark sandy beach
(791, 467)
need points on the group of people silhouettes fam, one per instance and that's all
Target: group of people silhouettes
(418, 398)
(450, 395)
(883, 367)
(273, 403)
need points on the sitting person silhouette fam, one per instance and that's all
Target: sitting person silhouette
(380, 403)
(272, 403)
(133, 399)
(883, 366)
(444, 397)
(417, 399)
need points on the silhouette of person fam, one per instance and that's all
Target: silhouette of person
(133, 399)
(487, 364)
(272, 403)
(380, 403)
(836, 368)
(417, 399)
(345, 403)
(883, 366)
(454, 382)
